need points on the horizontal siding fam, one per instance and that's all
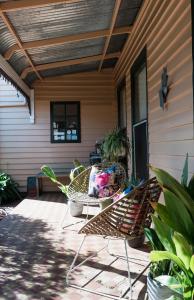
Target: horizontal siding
(164, 27)
(26, 147)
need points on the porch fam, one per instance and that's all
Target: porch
(36, 253)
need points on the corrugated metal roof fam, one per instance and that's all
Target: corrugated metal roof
(127, 13)
(117, 42)
(67, 51)
(6, 39)
(62, 20)
(71, 69)
(30, 78)
(19, 61)
(109, 63)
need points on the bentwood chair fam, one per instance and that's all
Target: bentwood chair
(77, 192)
(124, 219)
(78, 188)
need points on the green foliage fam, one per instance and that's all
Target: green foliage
(189, 187)
(170, 183)
(174, 226)
(115, 144)
(8, 189)
(184, 176)
(48, 171)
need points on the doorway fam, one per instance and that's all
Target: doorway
(139, 106)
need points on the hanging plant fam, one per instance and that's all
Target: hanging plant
(116, 144)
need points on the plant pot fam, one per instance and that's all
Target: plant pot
(136, 242)
(75, 208)
(157, 291)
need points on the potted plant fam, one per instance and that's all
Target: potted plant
(115, 145)
(75, 208)
(8, 188)
(172, 240)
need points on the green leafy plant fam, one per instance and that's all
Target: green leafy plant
(48, 171)
(115, 144)
(174, 227)
(184, 178)
(8, 188)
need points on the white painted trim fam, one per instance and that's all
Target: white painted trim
(32, 116)
(6, 67)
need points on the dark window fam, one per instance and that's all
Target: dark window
(139, 117)
(122, 107)
(65, 122)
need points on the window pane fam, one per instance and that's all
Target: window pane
(65, 122)
(71, 109)
(72, 128)
(140, 94)
(58, 122)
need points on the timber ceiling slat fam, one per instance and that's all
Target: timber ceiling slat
(13, 32)
(42, 36)
(69, 63)
(66, 39)
(29, 4)
(113, 21)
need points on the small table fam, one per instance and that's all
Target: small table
(40, 176)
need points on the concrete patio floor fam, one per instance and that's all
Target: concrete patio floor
(36, 253)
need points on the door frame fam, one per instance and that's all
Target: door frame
(142, 58)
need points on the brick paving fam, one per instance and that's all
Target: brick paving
(36, 253)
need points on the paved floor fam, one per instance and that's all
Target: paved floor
(35, 253)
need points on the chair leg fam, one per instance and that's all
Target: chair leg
(72, 267)
(128, 269)
(63, 225)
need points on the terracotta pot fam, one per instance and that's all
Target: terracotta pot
(157, 291)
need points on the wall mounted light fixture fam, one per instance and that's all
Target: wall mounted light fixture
(164, 88)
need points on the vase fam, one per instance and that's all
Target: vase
(157, 291)
(75, 208)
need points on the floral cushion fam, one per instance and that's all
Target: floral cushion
(101, 183)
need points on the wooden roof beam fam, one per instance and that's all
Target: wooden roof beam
(13, 32)
(29, 4)
(113, 21)
(66, 39)
(69, 63)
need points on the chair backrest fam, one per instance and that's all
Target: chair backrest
(80, 183)
(127, 216)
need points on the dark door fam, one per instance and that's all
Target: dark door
(139, 117)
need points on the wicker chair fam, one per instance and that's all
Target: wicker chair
(78, 188)
(125, 219)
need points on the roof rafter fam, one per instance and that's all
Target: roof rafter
(13, 32)
(27, 4)
(113, 21)
(68, 63)
(66, 39)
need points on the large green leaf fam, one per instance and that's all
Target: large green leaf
(163, 213)
(161, 255)
(183, 249)
(164, 232)
(49, 173)
(192, 264)
(184, 176)
(153, 239)
(190, 187)
(169, 182)
(180, 219)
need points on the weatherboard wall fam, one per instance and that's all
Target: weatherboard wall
(164, 28)
(25, 147)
